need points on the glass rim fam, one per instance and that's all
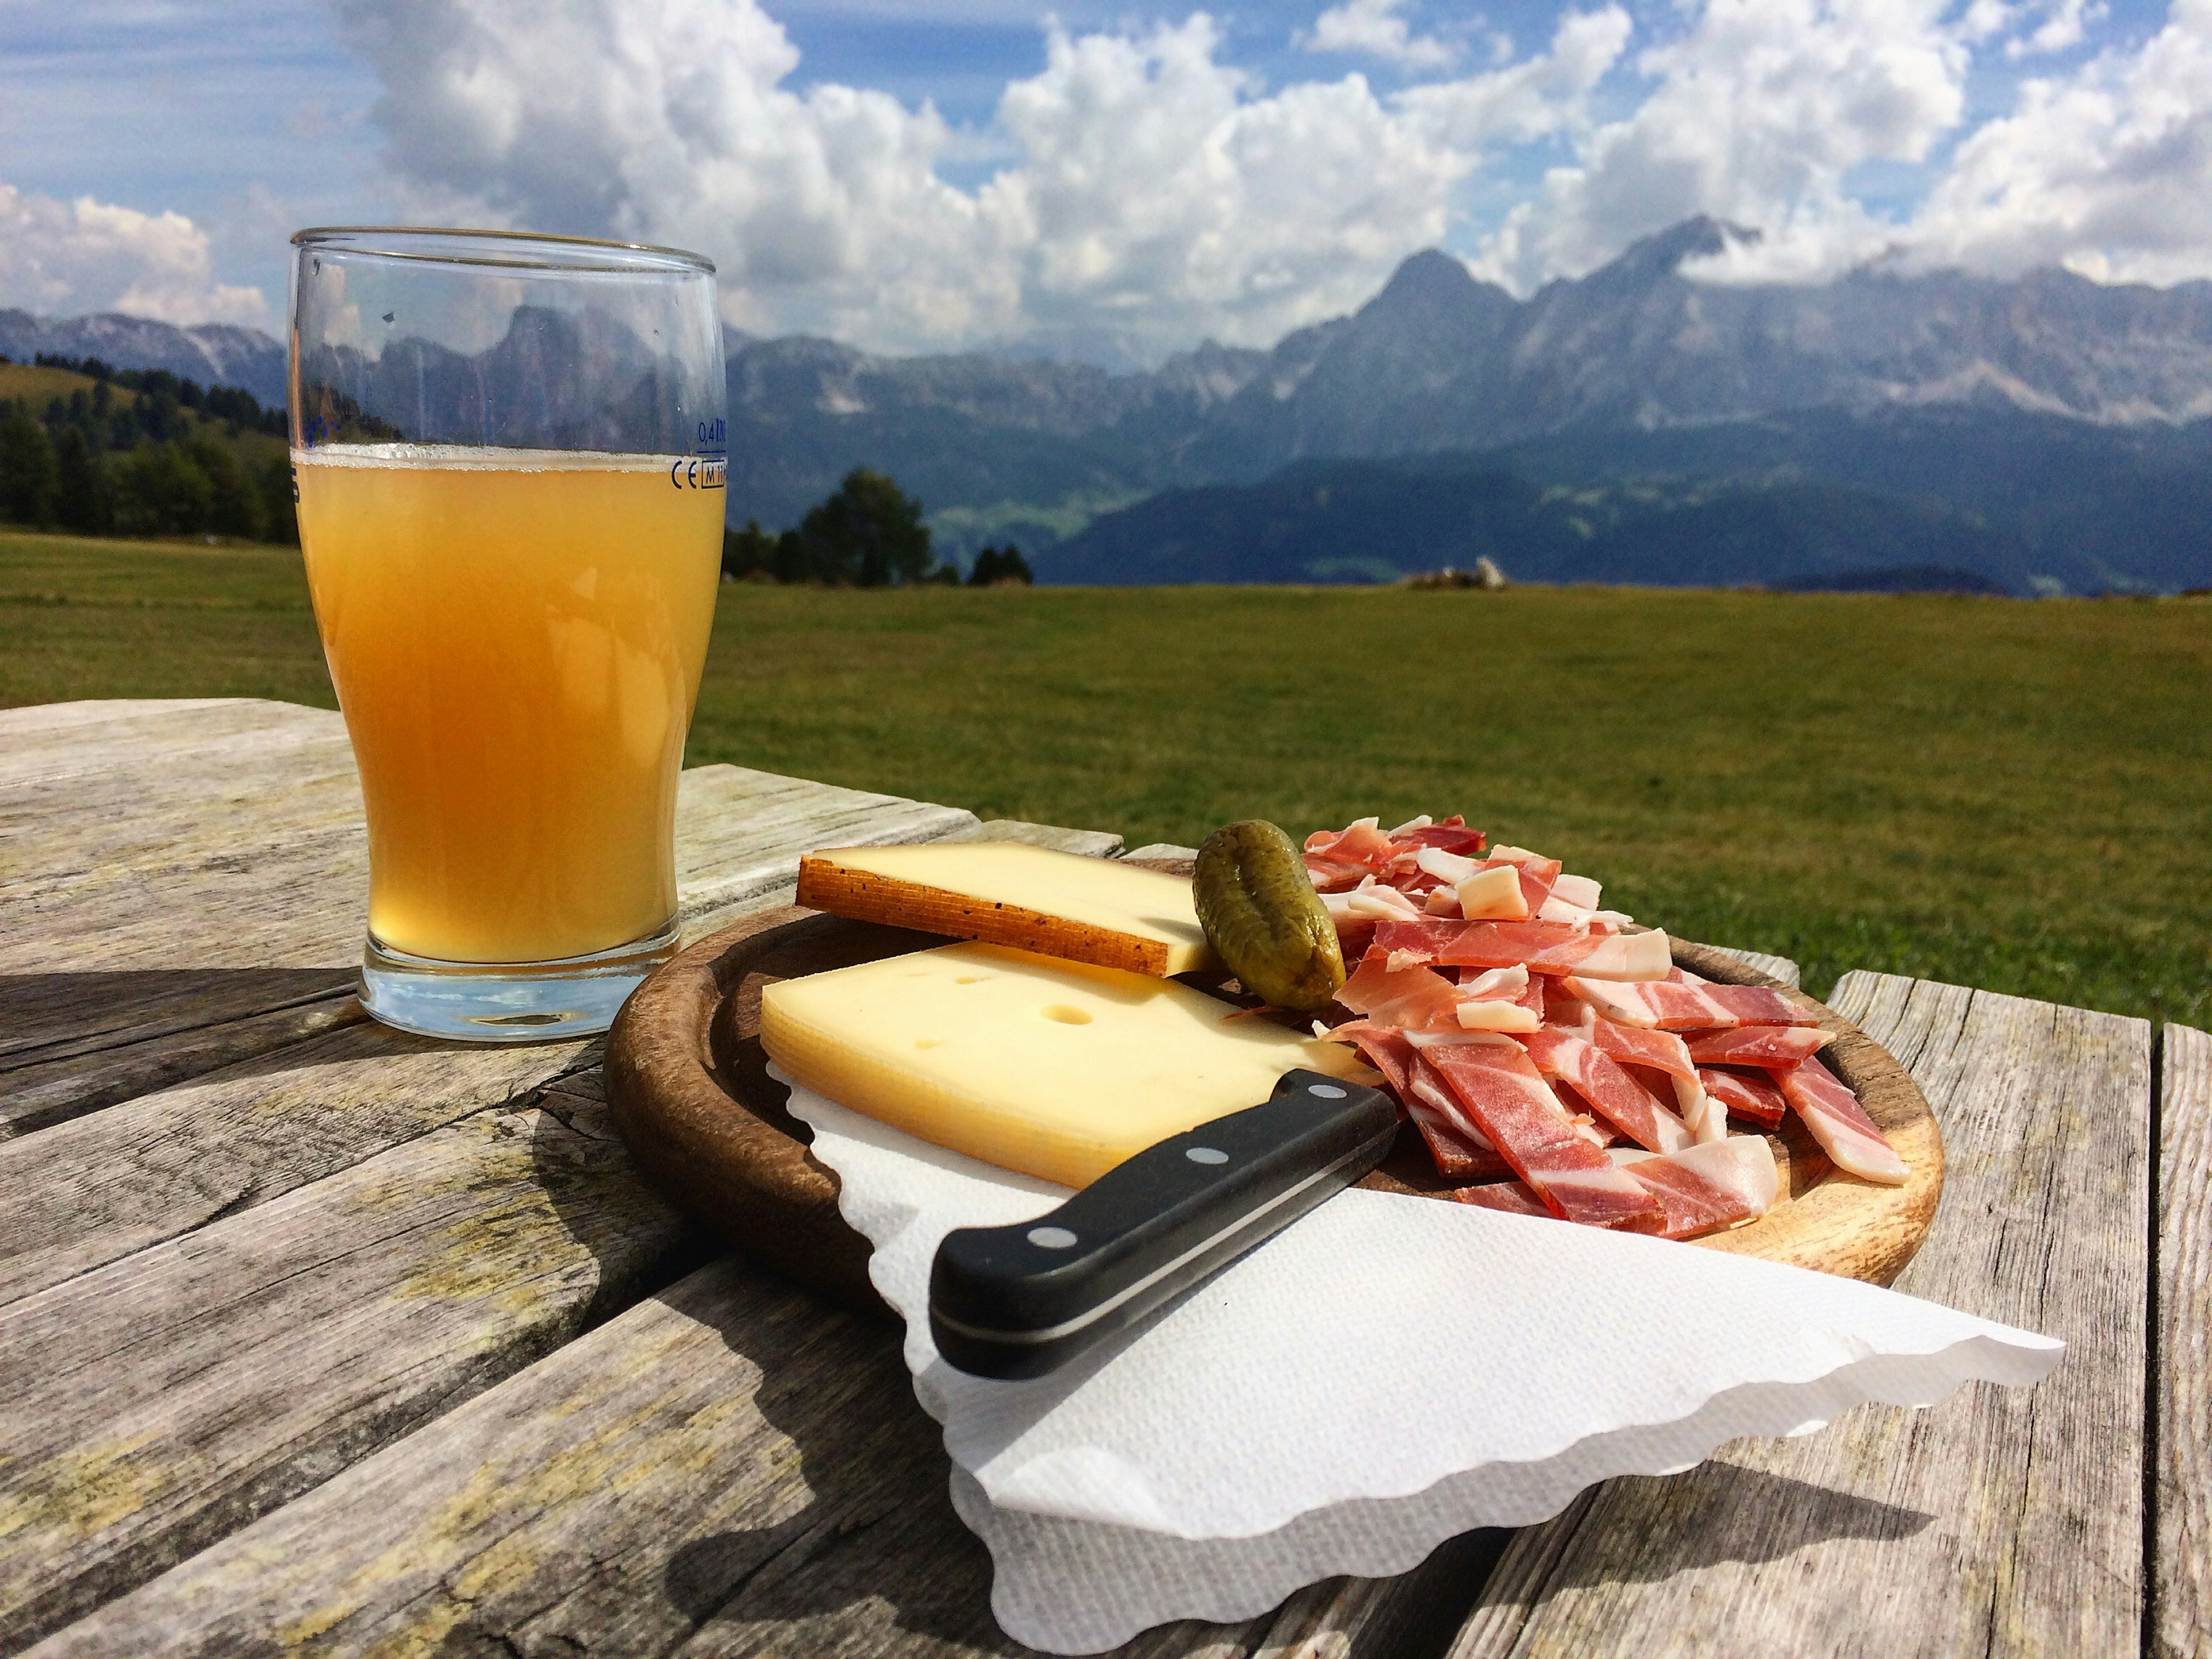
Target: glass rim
(514, 250)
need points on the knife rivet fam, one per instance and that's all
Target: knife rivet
(1051, 1238)
(1206, 1155)
(1325, 1090)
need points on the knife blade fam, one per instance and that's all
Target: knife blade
(1021, 1301)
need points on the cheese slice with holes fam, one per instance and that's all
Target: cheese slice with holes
(1055, 1069)
(1058, 904)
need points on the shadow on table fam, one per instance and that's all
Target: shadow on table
(71, 1043)
(878, 1548)
(1640, 1529)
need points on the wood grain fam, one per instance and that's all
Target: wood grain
(193, 1023)
(1090, 843)
(731, 1467)
(1998, 1521)
(1774, 967)
(2181, 1577)
(103, 1186)
(153, 1406)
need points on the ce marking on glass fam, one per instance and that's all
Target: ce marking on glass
(704, 472)
(710, 470)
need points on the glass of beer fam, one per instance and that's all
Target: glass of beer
(509, 454)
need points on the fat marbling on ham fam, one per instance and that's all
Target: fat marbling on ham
(1499, 1001)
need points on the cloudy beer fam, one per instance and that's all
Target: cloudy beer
(516, 638)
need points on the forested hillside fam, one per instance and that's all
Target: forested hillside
(100, 451)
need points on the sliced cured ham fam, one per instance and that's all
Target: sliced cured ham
(1776, 1047)
(1459, 1150)
(1501, 999)
(1751, 1096)
(1510, 1196)
(1337, 859)
(1537, 876)
(1707, 1121)
(1507, 1098)
(1449, 867)
(1565, 1011)
(1832, 1112)
(1551, 947)
(1450, 834)
(1632, 1046)
(1383, 1047)
(1417, 941)
(1688, 1003)
(1372, 900)
(1492, 893)
(1578, 890)
(1706, 1188)
(1611, 1092)
(1410, 998)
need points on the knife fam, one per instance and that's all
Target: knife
(1023, 1300)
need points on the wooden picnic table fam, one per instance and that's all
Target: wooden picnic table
(317, 1336)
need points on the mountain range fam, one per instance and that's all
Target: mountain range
(2021, 433)
(214, 354)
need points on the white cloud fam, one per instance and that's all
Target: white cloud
(2107, 170)
(1760, 112)
(65, 257)
(1374, 29)
(1155, 192)
(2065, 25)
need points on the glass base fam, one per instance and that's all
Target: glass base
(507, 1001)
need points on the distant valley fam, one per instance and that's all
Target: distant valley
(1637, 424)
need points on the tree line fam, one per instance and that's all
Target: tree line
(153, 465)
(163, 462)
(868, 533)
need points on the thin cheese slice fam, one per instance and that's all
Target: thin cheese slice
(1095, 910)
(1055, 1069)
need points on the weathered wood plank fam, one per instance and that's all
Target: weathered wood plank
(27, 726)
(1088, 843)
(133, 930)
(60, 740)
(58, 1016)
(99, 1188)
(155, 1166)
(1779, 968)
(739, 833)
(33, 1097)
(2181, 1575)
(152, 1406)
(731, 1468)
(1997, 1521)
(1160, 849)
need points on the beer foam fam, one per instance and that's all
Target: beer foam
(467, 457)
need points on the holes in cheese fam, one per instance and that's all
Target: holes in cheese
(1058, 904)
(1055, 1069)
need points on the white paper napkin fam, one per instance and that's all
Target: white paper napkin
(1384, 1374)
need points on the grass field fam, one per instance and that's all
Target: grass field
(2014, 795)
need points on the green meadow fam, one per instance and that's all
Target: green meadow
(2010, 794)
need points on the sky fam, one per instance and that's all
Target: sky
(1097, 180)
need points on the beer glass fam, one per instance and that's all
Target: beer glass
(509, 456)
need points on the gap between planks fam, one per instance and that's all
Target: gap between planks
(731, 1467)
(218, 1344)
(2179, 1539)
(1996, 1520)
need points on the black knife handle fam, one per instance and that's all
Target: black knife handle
(1020, 1301)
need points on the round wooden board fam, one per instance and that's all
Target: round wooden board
(690, 1091)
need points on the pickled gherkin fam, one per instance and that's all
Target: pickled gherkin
(1263, 918)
